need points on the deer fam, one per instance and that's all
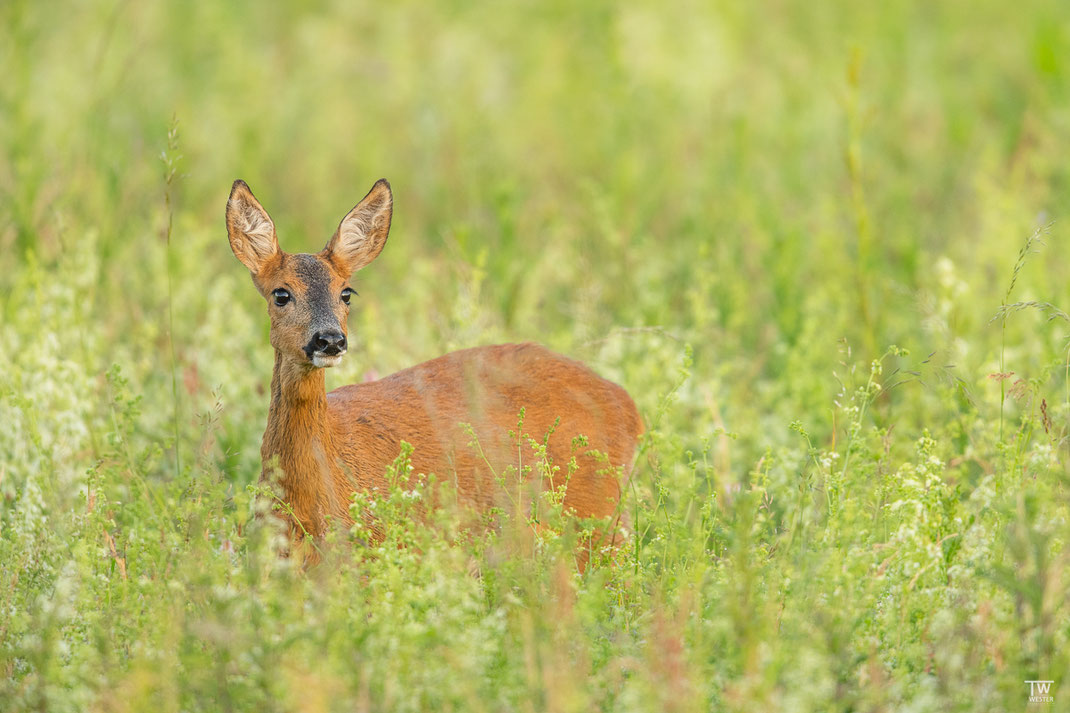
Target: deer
(320, 448)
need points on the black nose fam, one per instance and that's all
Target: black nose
(329, 343)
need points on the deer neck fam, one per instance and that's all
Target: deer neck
(299, 435)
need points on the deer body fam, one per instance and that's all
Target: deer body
(330, 445)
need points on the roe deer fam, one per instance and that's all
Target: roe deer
(330, 445)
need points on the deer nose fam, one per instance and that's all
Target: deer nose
(329, 343)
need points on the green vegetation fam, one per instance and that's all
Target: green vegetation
(733, 211)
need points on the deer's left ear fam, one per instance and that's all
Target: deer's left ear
(362, 233)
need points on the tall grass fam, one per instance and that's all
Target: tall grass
(733, 211)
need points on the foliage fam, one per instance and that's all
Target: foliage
(732, 210)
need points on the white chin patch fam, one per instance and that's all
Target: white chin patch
(322, 360)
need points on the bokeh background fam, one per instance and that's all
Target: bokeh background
(821, 244)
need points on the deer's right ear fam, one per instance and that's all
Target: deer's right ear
(251, 232)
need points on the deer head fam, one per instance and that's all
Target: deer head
(308, 295)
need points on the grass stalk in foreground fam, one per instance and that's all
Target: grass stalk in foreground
(170, 158)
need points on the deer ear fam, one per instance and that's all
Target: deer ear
(251, 232)
(362, 233)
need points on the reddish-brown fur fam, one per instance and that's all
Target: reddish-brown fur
(330, 445)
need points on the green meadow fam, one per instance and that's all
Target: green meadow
(824, 245)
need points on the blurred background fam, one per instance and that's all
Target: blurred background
(729, 208)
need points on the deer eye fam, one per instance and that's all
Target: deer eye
(281, 296)
(347, 293)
